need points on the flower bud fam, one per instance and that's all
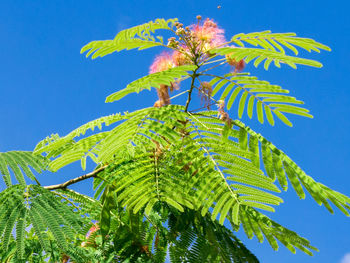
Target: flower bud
(180, 31)
(172, 42)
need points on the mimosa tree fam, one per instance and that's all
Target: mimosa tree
(170, 179)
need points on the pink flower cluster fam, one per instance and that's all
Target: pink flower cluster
(162, 62)
(209, 35)
(205, 36)
(195, 42)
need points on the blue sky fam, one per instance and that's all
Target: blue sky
(48, 87)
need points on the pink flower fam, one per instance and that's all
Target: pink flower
(209, 34)
(162, 62)
(92, 230)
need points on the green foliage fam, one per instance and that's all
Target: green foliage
(259, 55)
(33, 205)
(19, 162)
(78, 151)
(55, 142)
(276, 41)
(199, 239)
(272, 49)
(271, 100)
(211, 172)
(167, 180)
(68, 150)
(259, 225)
(165, 77)
(281, 167)
(136, 37)
(33, 251)
(146, 178)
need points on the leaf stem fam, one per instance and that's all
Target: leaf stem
(193, 76)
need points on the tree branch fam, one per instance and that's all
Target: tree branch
(194, 76)
(75, 180)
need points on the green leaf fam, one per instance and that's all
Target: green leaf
(250, 106)
(235, 214)
(165, 77)
(273, 41)
(270, 98)
(19, 163)
(140, 37)
(260, 113)
(52, 219)
(242, 104)
(105, 219)
(102, 48)
(269, 115)
(249, 54)
(233, 97)
(283, 118)
(285, 168)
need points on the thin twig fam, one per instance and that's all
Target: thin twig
(75, 180)
(214, 61)
(177, 95)
(217, 65)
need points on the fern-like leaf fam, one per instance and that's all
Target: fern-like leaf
(101, 48)
(165, 77)
(43, 210)
(271, 100)
(259, 225)
(78, 151)
(54, 143)
(136, 37)
(19, 162)
(278, 41)
(281, 167)
(203, 240)
(237, 178)
(260, 55)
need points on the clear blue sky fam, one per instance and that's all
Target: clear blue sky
(47, 87)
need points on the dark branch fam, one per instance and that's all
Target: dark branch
(194, 76)
(75, 180)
